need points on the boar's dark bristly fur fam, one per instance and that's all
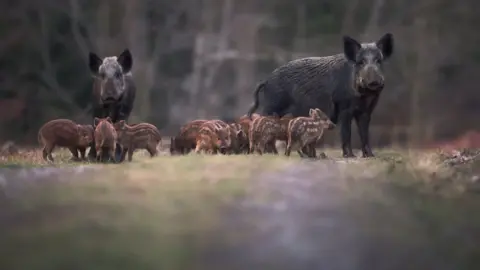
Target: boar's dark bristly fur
(113, 90)
(347, 84)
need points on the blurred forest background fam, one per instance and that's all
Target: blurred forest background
(203, 58)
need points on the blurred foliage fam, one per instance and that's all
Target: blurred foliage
(204, 58)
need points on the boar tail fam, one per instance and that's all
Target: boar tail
(254, 106)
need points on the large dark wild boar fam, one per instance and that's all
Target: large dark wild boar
(113, 90)
(347, 84)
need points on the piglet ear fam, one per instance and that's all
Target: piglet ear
(108, 119)
(125, 60)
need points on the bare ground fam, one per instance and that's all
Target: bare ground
(402, 210)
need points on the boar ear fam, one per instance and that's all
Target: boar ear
(350, 48)
(385, 44)
(310, 112)
(108, 119)
(94, 62)
(96, 120)
(125, 60)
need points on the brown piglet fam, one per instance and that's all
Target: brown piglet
(185, 140)
(105, 139)
(64, 133)
(304, 132)
(213, 137)
(139, 136)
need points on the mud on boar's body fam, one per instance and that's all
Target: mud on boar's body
(64, 133)
(348, 85)
(213, 137)
(105, 139)
(185, 140)
(139, 136)
(304, 132)
(113, 90)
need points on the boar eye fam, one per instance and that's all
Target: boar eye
(362, 62)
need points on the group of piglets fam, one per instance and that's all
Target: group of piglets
(255, 134)
(106, 134)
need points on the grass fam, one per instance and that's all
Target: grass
(158, 213)
(151, 212)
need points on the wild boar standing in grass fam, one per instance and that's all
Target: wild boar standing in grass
(113, 90)
(304, 132)
(347, 84)
(105, 139)
(64, 133)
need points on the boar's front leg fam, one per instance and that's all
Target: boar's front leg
(363, 123)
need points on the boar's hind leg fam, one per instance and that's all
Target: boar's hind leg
(47, 152)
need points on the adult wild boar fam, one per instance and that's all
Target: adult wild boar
(347, 84)
(113, 90)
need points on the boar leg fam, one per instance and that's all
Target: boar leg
(346, 118)
(130, 154)
(82, 151)
(47, 152)
(363, 123)
(118, 152)
(124, 153)
(74, 152)
(288, 149)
